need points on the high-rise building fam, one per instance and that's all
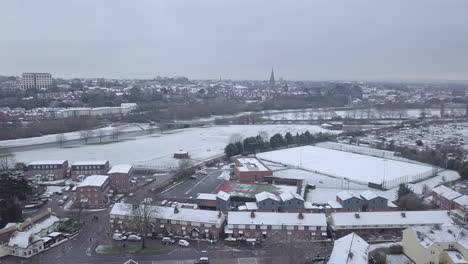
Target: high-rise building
(272, 78)
(36, 80)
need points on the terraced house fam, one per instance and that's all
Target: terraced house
(172, 221)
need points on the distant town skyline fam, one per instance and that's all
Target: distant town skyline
(239, 40)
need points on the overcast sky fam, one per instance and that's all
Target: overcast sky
(302, 40)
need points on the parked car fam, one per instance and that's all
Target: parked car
(203, 260)
(61, 202)
(131, 194)
(184, 243)
(169, 203)
(59, 192)
(65, 198)
(193, 177)
(119, 237)
(203, 173)
(167, 240)
(163, 203)
(133, 238)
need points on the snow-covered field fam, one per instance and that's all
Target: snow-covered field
(341, 164)
(156, 150)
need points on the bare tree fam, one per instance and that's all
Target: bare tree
(292, 249)
(142, 216)
(60, 138)
(236, 137)
(86, 135)
(7, 159)
(115, 133)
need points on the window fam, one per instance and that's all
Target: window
(268, 226)
(318, 227)
(432, 252)
(296, 228)
(306, 228)
(257, 227)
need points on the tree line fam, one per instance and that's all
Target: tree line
(261, 142)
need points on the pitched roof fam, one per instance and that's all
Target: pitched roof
(47, 162)
(462, 200)
(350, 249)
(369, 195)
(21, 239)
(345, 195)
(89, 162)
(223, 195)
(429, 235)
(206, 196)
(275, 218)
(266, 195)
(446, 192)
(388, 219)
(286, 196)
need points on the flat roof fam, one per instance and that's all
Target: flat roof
(94, 180)
(446, 192)
(206, 196)
(251, 164)
(121, 168)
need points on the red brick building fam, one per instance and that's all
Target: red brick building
(251, 169)
(263, 225)
(120, 176)
(48, 170)
(80, 169)
(93, 192)
(444, 197)
(170, 221)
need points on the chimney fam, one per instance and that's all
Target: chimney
(220, 214)
(403, 214)
(176, 210)
(301, 216)
(252, 214)
(357, 215)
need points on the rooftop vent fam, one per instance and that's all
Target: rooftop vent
(252, 214)
(176, 210)
(357, 215)
(403, 214)
(301, 216)
(219, 214)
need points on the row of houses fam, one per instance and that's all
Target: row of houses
(454, 201)
(198, 223)
(120, 175)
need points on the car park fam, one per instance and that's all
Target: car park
(133, 238)
(119, 237)
(184, 243)
(167, 241)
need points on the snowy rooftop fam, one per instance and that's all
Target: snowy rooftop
(251, 164)
(94, 180)
(350, 249)
(121, 168)
(89, 162)
(265, 195)
(274, 218)
(168, 213)
(369, 195)
(462, 200)
(223, 195)
(206, 196)
(446, 192)
(335, 204)
(21, 239)
(428, 235)
(47, 162)
(345, 195)
(251, 206)
(456, 257)
(390, 218)
(357, 167)
(286, 196)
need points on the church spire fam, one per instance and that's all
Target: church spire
(272, 77)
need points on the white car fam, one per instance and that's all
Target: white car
(133, 238)
(61, 202)
(131, 194)
(65, 198)
(184, 243)
(119, 237)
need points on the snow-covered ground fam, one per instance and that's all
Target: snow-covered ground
(341, 164)
(68, 136)
(156, 151)
(324, 194)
